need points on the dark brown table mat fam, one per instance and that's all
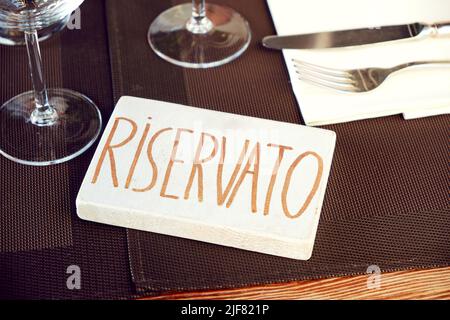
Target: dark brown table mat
(23, 226)
(40, 234)
(387, 200)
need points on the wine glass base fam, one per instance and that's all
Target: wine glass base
(228, 38)
(13, 37)
(77, 126)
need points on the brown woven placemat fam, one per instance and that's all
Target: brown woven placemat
(23, 226)
(38, 223)
(387, 198)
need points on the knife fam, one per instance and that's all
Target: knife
(355, 37)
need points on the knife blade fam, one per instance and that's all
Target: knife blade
(355, 37)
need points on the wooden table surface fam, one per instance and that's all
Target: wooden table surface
(410, 284)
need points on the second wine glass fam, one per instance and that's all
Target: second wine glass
(199, 35)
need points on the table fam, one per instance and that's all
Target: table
(398, 221)
(409, 284)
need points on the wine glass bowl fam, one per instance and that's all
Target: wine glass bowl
(14, 37)
(30, 15)
(43, 126)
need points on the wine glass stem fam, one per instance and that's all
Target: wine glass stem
(43, 114)
(199, 22)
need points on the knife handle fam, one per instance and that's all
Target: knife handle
(436, 30)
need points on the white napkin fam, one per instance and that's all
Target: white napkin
(415, 92)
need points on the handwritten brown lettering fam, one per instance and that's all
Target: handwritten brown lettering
(253, 159)
(273, 178)
(313, 189)
(137, 155)
(172, 160)
(197, 167)
(152, 161)
(221, 196)
(108, 149)
(246, 166)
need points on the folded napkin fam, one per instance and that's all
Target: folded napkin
(416, 92)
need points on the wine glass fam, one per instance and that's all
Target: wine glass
(43, 126)
(199, 35)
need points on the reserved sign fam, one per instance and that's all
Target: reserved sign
(222, 178)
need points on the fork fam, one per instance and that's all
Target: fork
(354, 80)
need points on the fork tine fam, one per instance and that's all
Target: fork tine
(328, 84)
(340, 80)
(321, 69)
(326, 77)
(324, 74)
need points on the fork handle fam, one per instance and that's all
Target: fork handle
(419, 63)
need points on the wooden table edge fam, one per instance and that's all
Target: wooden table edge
(427, 284)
